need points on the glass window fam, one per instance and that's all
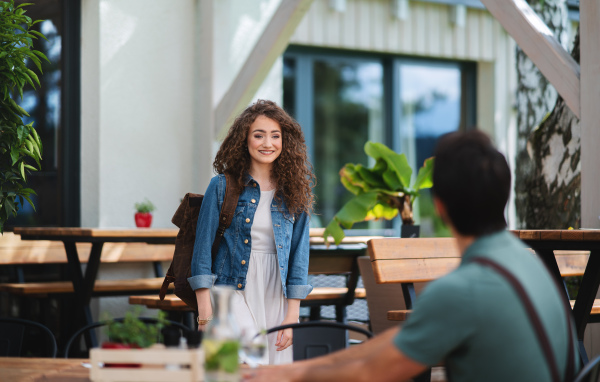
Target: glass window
(430, 106)
(348, 111)
(48, 107)
(342, 100)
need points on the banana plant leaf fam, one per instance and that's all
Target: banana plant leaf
(379, 191)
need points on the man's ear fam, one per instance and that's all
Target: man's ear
(440, 207)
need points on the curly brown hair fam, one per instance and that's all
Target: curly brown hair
(291, 171)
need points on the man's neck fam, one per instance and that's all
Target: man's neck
(463, 241)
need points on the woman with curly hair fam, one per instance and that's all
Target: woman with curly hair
(264, 253)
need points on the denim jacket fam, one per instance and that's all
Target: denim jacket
(231, 264)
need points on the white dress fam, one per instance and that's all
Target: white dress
(262, 304)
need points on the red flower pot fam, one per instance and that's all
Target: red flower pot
(143, 219)
(114, 345)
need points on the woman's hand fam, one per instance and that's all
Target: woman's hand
(285, 337)
(204, 307)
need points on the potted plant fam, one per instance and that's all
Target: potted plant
(133, 333)
(20, 145)
(143, 215)
(382, 191)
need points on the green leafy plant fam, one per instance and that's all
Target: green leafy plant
(133, 331)
(20, 145)
(144, 207)
(382, 191)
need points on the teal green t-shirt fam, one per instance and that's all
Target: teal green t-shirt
(474, 322)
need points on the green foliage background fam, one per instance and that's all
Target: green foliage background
(20, 145)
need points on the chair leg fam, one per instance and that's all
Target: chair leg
(423, 377)
(340, 313)
(315, 313)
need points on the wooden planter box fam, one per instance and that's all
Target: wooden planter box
(155, 365)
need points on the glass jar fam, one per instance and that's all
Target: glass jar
(221, 340)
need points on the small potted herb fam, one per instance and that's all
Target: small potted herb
(133, 333)
(143, 215)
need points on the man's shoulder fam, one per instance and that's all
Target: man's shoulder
(455, 284)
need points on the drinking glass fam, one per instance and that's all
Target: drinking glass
(254, 347)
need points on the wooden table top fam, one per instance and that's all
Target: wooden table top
(140, 234)
(315, 233)
(14, 251)
(170, 303)
(559, 234)
(59, 232)
(43, 369)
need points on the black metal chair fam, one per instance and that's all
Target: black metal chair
(17, 332)
(98, 324)
(591, 371)
(317, 338)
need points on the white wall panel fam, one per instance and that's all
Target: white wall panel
(487, 37)
(473, 34)
(369, 25)
(434, 29)
(364, 27)
(447, 36)
(379, 20)
(461, 40)
(347, 27)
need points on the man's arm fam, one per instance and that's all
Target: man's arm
(377, 359)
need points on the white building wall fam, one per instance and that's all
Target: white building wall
(137, 103)
(141, 134)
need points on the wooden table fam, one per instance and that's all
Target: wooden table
(83, 286)
(330, 260)
(545, 242)
(43, 369)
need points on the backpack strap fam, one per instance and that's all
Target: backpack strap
(535, 320)
(227, 211)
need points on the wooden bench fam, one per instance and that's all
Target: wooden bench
(20, 253)
(101, 287)
(410, 261)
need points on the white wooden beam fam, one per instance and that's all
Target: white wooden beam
(589, 13)
(540, 45)
(204, 136)
(268, 48)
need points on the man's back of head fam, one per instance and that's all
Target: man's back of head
(472, 179)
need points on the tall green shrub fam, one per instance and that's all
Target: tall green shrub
(20, 145)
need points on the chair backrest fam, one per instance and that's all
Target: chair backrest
(15, 332)
(317, 338)
(98, 324)
(396, 260)
(381, 298)
(591, 371)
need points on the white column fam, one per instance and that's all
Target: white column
(589, 11)
(90, 113)
(204, 120)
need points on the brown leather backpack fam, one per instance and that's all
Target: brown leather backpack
(186, 218)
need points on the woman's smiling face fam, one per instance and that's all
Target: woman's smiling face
(264, 141)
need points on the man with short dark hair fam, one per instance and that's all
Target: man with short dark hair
(472, 319)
